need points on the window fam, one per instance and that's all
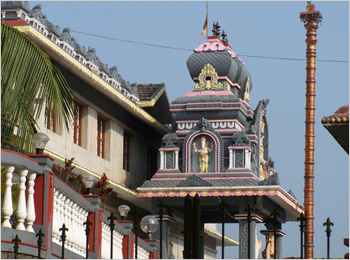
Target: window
(77, 125)
(100, 137)
(126, 152)
(50, 118)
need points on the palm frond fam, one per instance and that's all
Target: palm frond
(29, 80)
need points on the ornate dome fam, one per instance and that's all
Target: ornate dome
(214, 66)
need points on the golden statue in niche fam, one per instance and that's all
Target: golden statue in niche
(204, 156)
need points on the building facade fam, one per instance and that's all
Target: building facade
(117, 130)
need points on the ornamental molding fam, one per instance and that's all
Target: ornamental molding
(208, 79)
(194, 180)
(261, 107)
(271, 180)
(204, 127)
(240, 139)
(210, 46)
(124, 101)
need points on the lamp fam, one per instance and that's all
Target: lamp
(149, 224)
(123, 211)
(89, 182)
(40, 140)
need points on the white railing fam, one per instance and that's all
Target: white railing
(25, 209)
(142, 253)
(68, 211)
(106, 243)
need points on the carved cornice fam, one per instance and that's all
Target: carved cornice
(88, 73)
(193, 181)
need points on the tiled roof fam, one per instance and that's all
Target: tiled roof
(146, 91)
(216, 183)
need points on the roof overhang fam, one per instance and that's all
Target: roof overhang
(275, 193)
(158, 105)
(73, 65)
(218, 238)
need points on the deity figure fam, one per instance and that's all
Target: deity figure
(263, 163)
(268, 252)
(203, 154)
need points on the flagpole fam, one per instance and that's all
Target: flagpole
(206, 36)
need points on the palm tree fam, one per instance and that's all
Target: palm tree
(30, 79)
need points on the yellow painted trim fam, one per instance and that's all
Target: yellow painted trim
(94, 174)
(220, 235)
(154, 100)
(28, 29)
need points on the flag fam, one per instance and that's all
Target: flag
(205, 27)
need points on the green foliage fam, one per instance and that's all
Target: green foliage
(103, 190)
(29, 80)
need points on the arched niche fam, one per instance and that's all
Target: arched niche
(196, 158)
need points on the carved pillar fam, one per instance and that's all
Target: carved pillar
(268, 252)
(243, 234)
(161, 160)
(269, 247)
(247, 159)
(177, 159)
(30, 202)
(231, 159)
(21, 212)
(7, 208)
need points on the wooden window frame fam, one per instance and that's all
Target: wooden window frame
(77, 124)
(126, 152)
(101, 137)
(50, 118)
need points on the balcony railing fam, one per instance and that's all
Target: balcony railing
(45, 202)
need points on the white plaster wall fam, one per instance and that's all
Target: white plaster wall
(62, 145)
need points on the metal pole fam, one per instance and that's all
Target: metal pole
(16, 246)
(136, 223)
(111, 219)
(249, 210)
(188, 228)
(311, 18)
(328, 223)
(302, 225)
(63, 237)
(196, 227)
(87, 233)
(274, 215)
(161, 213)
(40, 236)
(223, 205)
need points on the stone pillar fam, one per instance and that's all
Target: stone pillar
(268, 252)
(165, 236)
(155, 245)
(95, 236)
(247, 158)
(128, 240)
(231, 159)
(161, 160)
(177, 159)
(243, 234)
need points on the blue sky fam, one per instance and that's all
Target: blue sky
(264, 29)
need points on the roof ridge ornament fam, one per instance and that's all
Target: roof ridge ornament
(224, 39)
(194, 180)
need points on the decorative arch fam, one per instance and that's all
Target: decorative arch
(203, 128)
